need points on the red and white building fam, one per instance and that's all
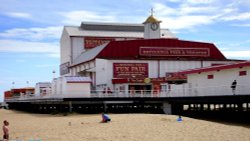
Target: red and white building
(216, 80)
(136, 58)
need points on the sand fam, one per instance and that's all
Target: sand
(123, 127)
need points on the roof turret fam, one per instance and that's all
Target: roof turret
(151, 19)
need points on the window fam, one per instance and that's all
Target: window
(211, 76)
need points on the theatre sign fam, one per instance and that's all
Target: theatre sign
(91, 42)
(161, 51)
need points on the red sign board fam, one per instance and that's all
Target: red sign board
(91, 42)
(175, 77)
(161, 51)
(139, 80)
(130, 70)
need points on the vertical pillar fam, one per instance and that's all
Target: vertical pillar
(167, 108)
(208, 107)
(61, 107)
(239, 107)
(105, 107)
(201, 107)
(189, 106)
(70, 106)
(225, 107)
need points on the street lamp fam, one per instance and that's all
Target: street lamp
(54, 72)
(13, 83)
(27, 82)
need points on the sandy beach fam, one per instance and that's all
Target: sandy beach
(123, 127)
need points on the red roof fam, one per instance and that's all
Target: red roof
(130, 49)
(216, 68)
(152, 49)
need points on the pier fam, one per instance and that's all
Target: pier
(141, 102)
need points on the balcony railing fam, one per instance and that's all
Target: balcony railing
(181, 91)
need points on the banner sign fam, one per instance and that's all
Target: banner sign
(130, 70)
(162, 51)
(175, 77)
(91, 42)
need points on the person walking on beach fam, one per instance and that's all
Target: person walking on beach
(5, 130)
(233, 86)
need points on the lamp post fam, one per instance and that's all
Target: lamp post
(27, 82)
(54, 72)
(13, 83)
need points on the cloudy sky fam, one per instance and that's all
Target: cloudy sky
(30, 30)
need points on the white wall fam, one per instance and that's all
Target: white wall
(41, 86)
(37, 90)
(104, 68)
(76, 89)
(149, 33)
(174, 66)
(60, 88)
(102, 71)
(199, 85)
(53, 87)
(165, 66)
(65, 47)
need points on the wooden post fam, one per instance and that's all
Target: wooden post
(70, 106)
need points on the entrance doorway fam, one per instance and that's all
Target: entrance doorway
(139, 89)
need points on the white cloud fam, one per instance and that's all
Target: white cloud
(237, 54)
(174, 0)
(164, 10)
(20, 60)
(200, 10)
(200, 1)
(52, 49)
(185, 16)
(191, 13)
(45, 66)
(243, 25)
(76, 17)
(19, 15)
(185, 22)
(240, 16)
(33, 33)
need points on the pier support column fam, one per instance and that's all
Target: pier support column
(209, 107)
(247, 106)
(105, 107)
(224, 107)
(240, 107)
(70, 106)
(167, 108)
(201, 107)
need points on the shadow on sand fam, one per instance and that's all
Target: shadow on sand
(229, 118)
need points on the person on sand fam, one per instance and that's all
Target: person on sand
(179, 119)
(105, 118)
(5, 130)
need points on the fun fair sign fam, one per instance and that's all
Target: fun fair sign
(130, 70)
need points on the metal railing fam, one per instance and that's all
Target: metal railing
(184, 91)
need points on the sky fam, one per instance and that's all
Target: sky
(30, 30)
